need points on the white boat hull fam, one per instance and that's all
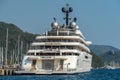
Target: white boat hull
(51, 64)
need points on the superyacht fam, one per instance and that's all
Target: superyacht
(61, 50)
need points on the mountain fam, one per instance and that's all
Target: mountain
(108, 54)
(100, 49)
(111, 58)
(14, 33)
(96, 61)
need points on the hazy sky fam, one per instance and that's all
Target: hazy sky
(99, 20)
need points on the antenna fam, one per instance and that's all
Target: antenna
(54, 19)
(67, 10)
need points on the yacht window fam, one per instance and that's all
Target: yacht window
(76, 54)
(37, 53)
(86, 57)
(30, 53)
(69, 53)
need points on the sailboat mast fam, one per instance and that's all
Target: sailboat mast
(18, 49)
(2, 55)
(6, 50)
(21, 52)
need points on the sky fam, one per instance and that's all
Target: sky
(99, 20)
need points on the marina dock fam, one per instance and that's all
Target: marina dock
(6, 71)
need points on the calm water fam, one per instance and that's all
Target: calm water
(99, 74)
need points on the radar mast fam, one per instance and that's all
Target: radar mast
(67, 10)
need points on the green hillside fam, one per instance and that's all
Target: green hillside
(108, 54)
(100, 49)
(15, 36)
(96, 61)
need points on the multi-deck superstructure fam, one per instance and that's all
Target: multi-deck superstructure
(62, 50)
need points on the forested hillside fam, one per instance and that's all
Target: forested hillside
(16, 37)
(108, 54)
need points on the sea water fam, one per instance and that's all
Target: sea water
(95, 74)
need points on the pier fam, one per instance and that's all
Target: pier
(6, 71)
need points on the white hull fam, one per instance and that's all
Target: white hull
(49, 72)
(51, 64)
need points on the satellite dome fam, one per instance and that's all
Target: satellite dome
(77, 27)
(73, 24)
(54, 25)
